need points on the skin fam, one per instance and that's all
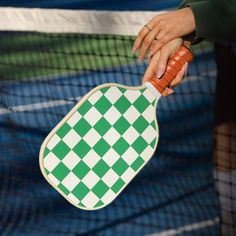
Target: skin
(159, 62)
(166, 27)
(169, 28)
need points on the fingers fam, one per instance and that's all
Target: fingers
(141, 35)
(165, 53)
(179, 77)
(152, 68)
(167, 92)
(147, 42)
(164, 27)
(162, 62)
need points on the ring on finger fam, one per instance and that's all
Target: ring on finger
(147, 27)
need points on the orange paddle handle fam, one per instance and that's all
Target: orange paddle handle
(174, 65)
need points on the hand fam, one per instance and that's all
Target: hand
(162, 29)
(158, 64)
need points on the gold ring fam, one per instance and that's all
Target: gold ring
(146, 26)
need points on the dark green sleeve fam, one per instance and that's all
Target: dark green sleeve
(215, 19)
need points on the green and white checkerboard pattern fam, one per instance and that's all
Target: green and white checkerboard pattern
(102, 146)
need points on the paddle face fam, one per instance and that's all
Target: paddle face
(99, 147)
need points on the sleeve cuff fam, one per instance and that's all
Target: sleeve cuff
(205, 19)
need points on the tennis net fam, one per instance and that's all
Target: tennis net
(49, 59)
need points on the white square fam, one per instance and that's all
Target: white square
(53, 179)
(71, 138)
(50, 162)
(113, 94)
(90, 179)
(111, 157)
(111, 136)
(74, 119)
(54, 140)
(91, 159)
(130, 135)
(92, 116)
(130, 156)
(73, 198)
(92, 137)
(70, 181)
(71, 160)
(132, 95)
(149, 134)
(128, 175)
(108, 197)
(148, 95)
(112, 115)
(110, 178)
(149, 114)
(95, 97)
(90, 200)
(147, 153)
(131, 115)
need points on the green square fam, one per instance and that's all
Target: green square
(140, 124)
(123, 90)
(121, 146)
(84, 108)
(137, 163)
(100, 189)
(103, 90)
(141, 104)
(81, 204)
(101, 168)
(80, 191)
(139, 145)
(82, 127)
(63, 189)
(153, 124)
(102, 126)
(81, 169)
(64, 129)
(46, 151)
(102, 105)
(61, 150)
(61, 171)
(120, 166)
(153, 143)
(154, 103)
(121, 125)
(122, 105)
(101, 147)
(81, 148)
(99, 203)
(118, 185)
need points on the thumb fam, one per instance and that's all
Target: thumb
(152, 68)
(162, 62)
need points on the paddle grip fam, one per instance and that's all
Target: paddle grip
(174, 65)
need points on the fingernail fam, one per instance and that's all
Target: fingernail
(150, 54)
(134, 49)
(170, 92)
(185, 68)
(140, 59)
(160, 72)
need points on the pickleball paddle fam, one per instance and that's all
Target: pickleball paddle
(106, 139)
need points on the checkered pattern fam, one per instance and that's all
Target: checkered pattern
(102, 146)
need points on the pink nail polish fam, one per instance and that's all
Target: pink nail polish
(160, 73)
(150, 54)
(134, 49)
